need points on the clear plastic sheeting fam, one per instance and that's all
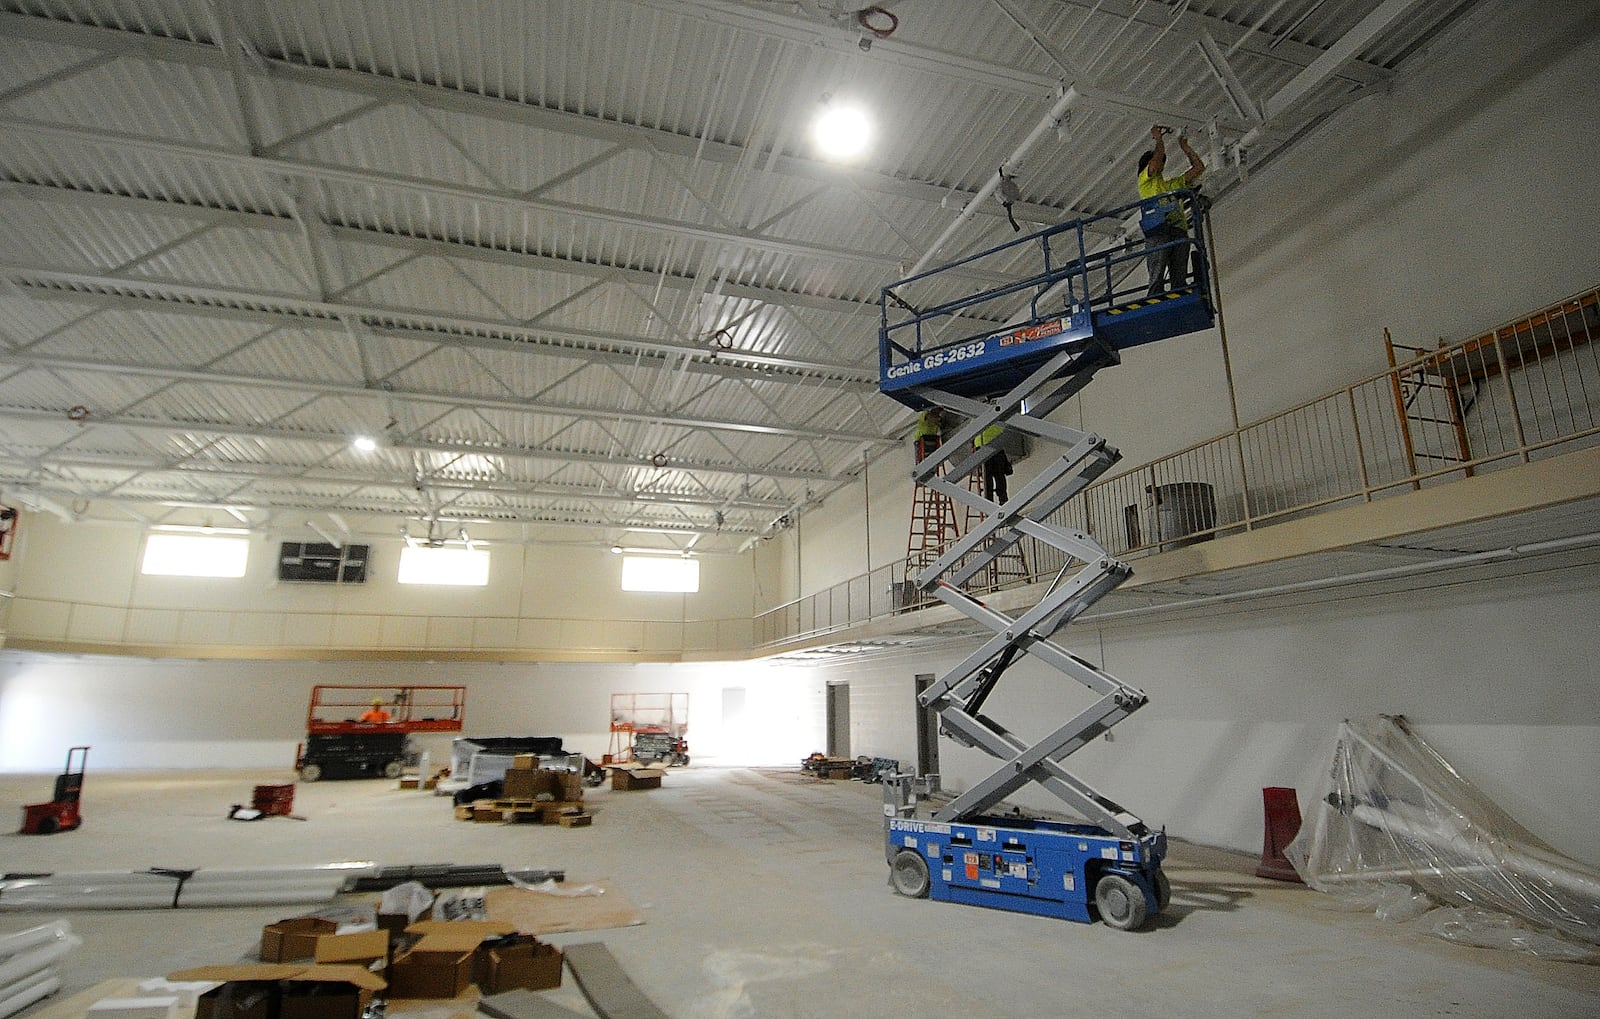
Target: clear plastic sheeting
(28, 962)
(1398, 830)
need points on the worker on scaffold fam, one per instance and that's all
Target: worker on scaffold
(1167, 260)
(375, 715)
(929, 432)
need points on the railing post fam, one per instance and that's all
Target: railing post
(1511, 396)
(1361, 452)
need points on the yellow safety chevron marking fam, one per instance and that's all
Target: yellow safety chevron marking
(1151, 300)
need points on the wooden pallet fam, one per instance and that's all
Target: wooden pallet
(523, 812)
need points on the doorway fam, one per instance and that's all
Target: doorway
(927, 730)
(838, 720)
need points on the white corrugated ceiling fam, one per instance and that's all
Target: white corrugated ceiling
(575, 262)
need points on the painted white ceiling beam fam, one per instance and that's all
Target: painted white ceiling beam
(341, 440)
(459, 329)
(1338, 55)
(235, 474)
(327, 172)
(457, 401)
(383, 90)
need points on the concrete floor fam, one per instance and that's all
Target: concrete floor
(764, 895)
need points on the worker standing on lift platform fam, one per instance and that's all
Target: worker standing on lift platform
(1167, 260)
(376, 714)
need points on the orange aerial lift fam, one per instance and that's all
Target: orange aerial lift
(361, 731)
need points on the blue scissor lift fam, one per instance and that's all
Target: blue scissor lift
(1005, 337)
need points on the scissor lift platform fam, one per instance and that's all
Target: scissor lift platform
(1066, 296)
(1043, 338)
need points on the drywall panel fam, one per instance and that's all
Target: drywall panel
(152, 626)
(347, 632)
(499, 632)
(94, 563)
(44, 620)
(99, 623)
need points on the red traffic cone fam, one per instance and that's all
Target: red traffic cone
(1282, 825)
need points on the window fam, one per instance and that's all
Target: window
(194, 555)
(460, 567)
(655, 573)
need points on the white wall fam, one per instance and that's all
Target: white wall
(1456, 202)
(140, 713)
(79, 585)
(863, 525)
(1496, 673)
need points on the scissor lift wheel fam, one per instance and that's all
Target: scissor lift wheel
(1120, 902)
(909, 874)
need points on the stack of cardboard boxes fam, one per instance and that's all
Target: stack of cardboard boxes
(531, 794)
(309, 971)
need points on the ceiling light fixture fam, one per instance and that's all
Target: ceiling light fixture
(365, 443)
(841, 131)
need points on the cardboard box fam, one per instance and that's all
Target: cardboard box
(154, 1007)
(532, 965)
(483, 930)
(187, 993)
(523, 762)
(283, 991)
(571, 784)
(393, 923)
(239, 999)
(437, 966)
(361, 949)
(294, 938)
(530, 784)
(636, 778)
(579, 820)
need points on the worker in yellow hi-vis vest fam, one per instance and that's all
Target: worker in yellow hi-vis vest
(929, 432)
(995, 469)
(1169, 221)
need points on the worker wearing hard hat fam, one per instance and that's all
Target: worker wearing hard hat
(376, 714)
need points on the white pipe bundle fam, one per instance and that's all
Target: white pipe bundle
(171, 888)
(28, 964)
(1396, 811)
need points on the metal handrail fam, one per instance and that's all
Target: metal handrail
(1528, 387)
(1076, 272)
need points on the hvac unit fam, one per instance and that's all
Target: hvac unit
(321, 563)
